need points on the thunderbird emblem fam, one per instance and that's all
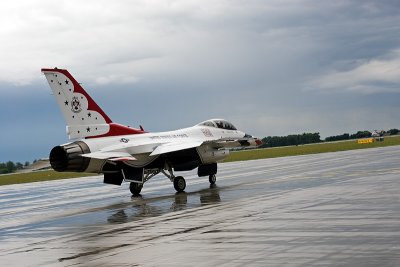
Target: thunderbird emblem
(76, 105)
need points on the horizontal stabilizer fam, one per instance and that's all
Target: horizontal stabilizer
(132, 148)
(113, 156)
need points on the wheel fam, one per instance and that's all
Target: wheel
(135, 188)
(212, 178)
(179, 184)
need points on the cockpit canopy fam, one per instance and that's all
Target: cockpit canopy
(218, 123)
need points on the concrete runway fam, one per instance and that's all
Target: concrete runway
(336, 209)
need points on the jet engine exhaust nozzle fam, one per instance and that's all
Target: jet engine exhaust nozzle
(68, 157)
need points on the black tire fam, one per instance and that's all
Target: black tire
(212, 179)
(179, 184)
(135, 188)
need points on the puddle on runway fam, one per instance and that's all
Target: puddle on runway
(144, 208)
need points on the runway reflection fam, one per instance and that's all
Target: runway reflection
(142, 207)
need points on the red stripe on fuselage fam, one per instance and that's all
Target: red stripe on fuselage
(118, 129)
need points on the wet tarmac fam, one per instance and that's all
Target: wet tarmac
(335, 209)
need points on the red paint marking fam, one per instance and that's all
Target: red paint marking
(121, 159)
(78, 89)
(118, 129)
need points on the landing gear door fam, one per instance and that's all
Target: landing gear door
(133, 175)
(207, 169)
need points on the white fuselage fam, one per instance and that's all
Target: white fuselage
(142, 145)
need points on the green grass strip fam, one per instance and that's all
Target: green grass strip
(275, 152)
(29, 177)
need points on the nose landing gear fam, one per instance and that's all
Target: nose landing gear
(212, 179)
(179, 181)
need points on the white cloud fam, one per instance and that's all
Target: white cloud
(103, 80)
(83, 36)
(374, 76)
(178, 39)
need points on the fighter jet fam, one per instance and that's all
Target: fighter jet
(123, 153)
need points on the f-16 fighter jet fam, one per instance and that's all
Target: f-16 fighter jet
(122, 153)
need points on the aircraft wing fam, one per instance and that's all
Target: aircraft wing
(126, 152)
(171, 147)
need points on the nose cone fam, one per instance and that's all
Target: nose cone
(254, 141)
(258, 142)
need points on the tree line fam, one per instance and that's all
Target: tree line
(10, 167)
(309, 138)
(291, 140)
(359, 134)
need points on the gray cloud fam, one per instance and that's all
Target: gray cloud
(375, 76)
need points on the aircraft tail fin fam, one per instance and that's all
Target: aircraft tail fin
(85, 119)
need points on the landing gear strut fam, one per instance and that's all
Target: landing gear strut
(135, 188)
(179, 181)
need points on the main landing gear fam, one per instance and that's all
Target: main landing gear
(179, 181)
(179, 184)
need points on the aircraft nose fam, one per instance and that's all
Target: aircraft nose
(256, 140)
(259, 142)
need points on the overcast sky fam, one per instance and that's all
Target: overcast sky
(270, 67)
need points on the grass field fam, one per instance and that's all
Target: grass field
(307, 149)
(18, 178)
